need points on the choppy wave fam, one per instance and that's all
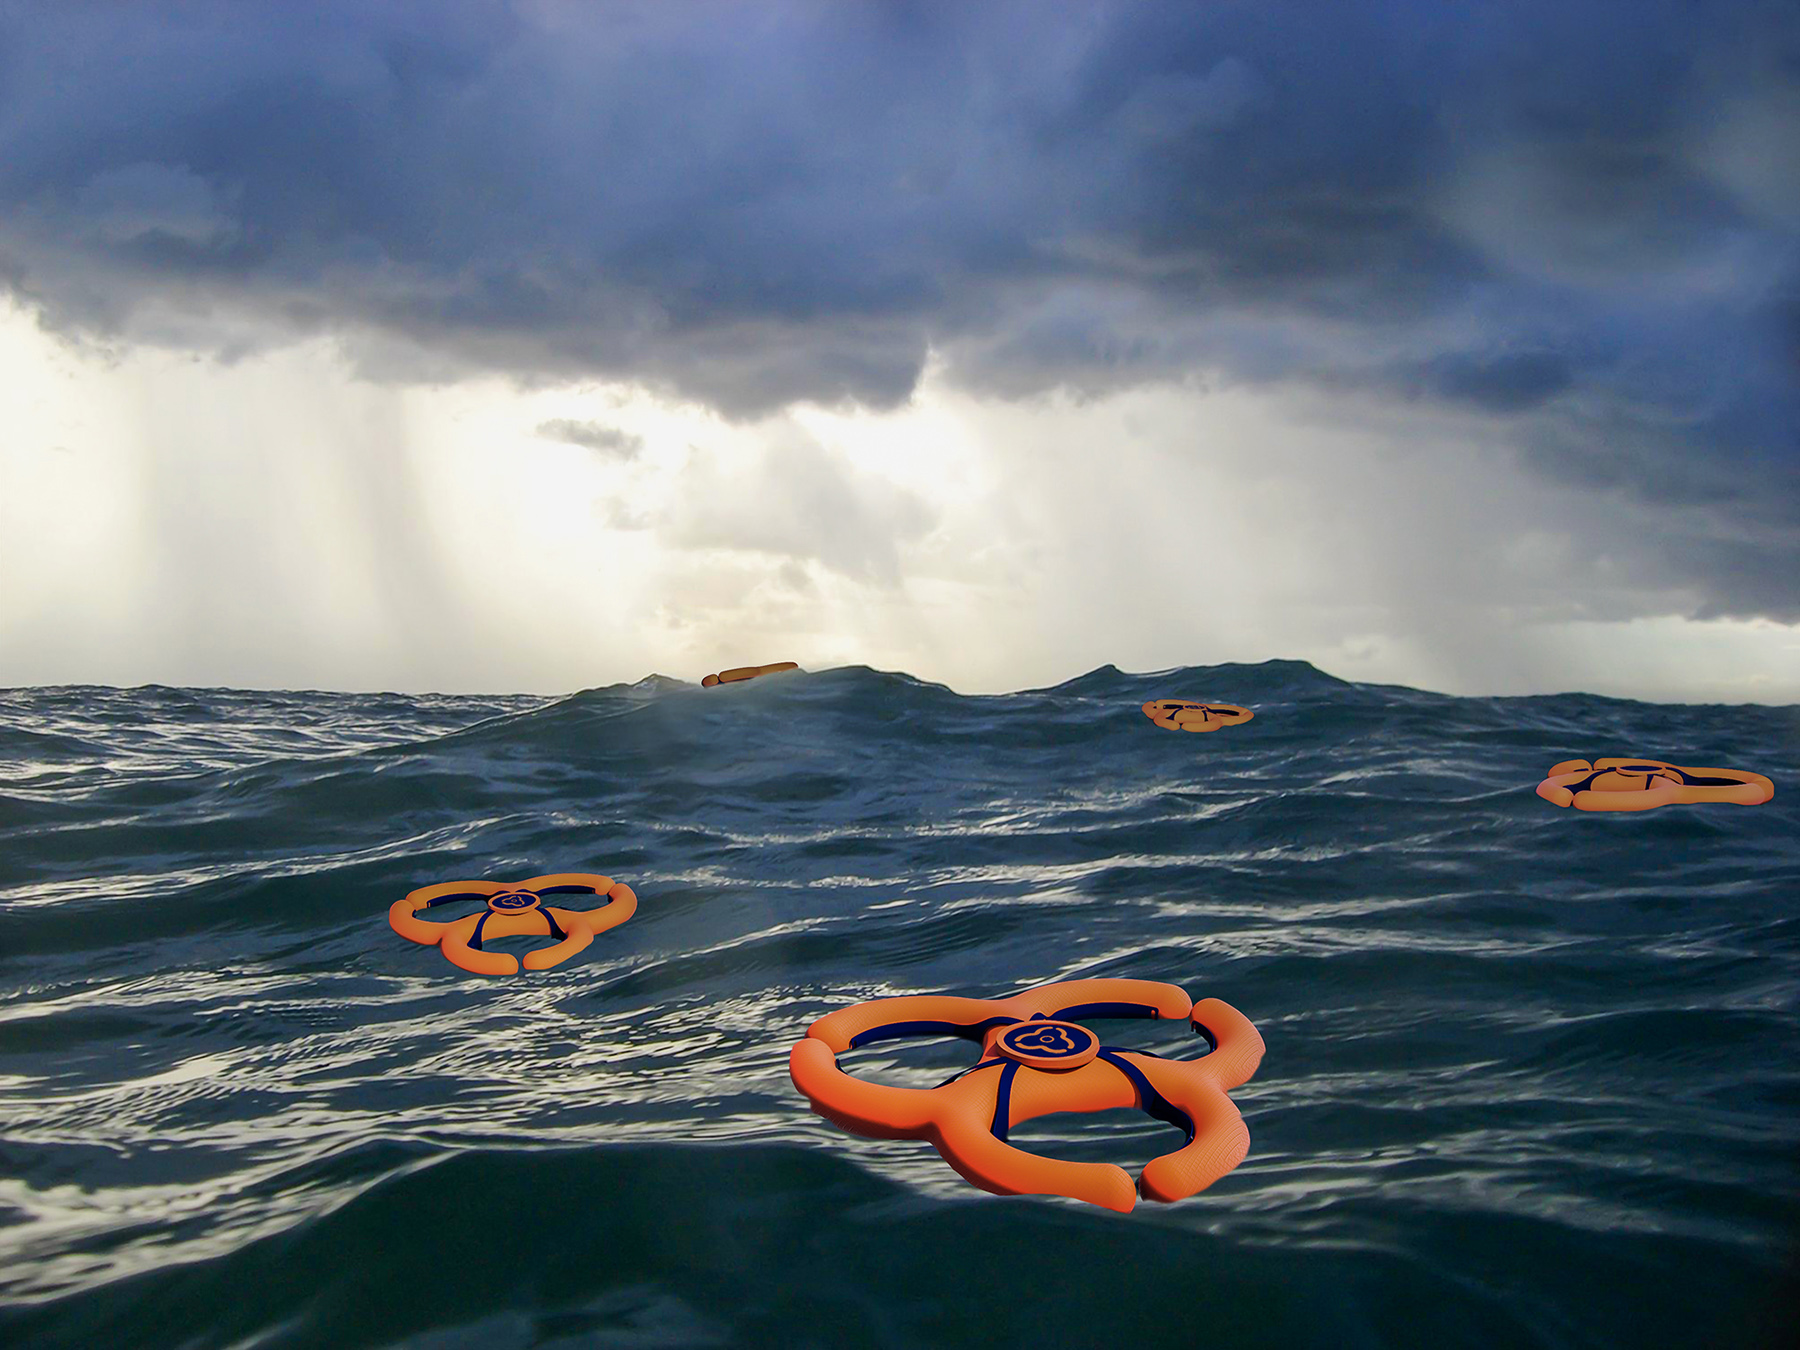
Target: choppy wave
(1533, 1076)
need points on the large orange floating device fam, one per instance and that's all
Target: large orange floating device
(1036, 1059)
(737, 673)
(1178, 714)
(513, 910)
(1640, 784)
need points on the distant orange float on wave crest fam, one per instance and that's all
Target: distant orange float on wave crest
(1642, 784)
(737, 673)
(1178, 714)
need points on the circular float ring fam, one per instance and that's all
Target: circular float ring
(513, 909)
(1180, 714)
(1615, 784)
(967, 1117)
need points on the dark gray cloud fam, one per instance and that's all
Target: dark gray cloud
(1579, 219)
(612, 441)
(1502, 382)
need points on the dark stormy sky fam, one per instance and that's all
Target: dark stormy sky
(540, 345)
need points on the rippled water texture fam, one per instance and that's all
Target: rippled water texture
(1533, 1075)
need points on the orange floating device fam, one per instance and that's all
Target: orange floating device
(737, 673)
(513, 910)
(1640, 784)
(1036, 1059)
(1177, 714)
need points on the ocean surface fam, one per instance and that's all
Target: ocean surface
(1532, 1079)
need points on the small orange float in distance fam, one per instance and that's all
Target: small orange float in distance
(1178, 714)
(1642, 784)
(746, 673)
(1036, 1058)
(514, 909)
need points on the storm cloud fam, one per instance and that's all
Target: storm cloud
(610, 441)
(1576, 224)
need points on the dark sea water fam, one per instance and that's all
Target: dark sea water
(1533, 1075)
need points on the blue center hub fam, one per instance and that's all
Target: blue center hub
(1044, 1044)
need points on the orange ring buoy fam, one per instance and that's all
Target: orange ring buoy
(513, 910)
(1642, 784)
(1178, 714)
(737, 673)
(1036, 1058)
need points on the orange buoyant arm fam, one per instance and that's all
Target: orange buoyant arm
(1555, 789)
(921, 1014)
(621, 902)
(401, 920)
(1221, 1139)
(578, 936)
(1237, 1045)
(532, 923)
(555, 882)
(1599, 788)
(971, 1148)
(401, 914)
(751, 672)
(966, 1119)
(1076, 999)
(621, 905)
(866, 1108)
(1739, 786)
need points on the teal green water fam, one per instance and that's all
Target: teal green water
(1533, 1075)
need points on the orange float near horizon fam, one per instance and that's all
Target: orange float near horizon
(738, 673)
(1037, 1059)
(514, 909)
(1179, 714)
(1615, 784)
